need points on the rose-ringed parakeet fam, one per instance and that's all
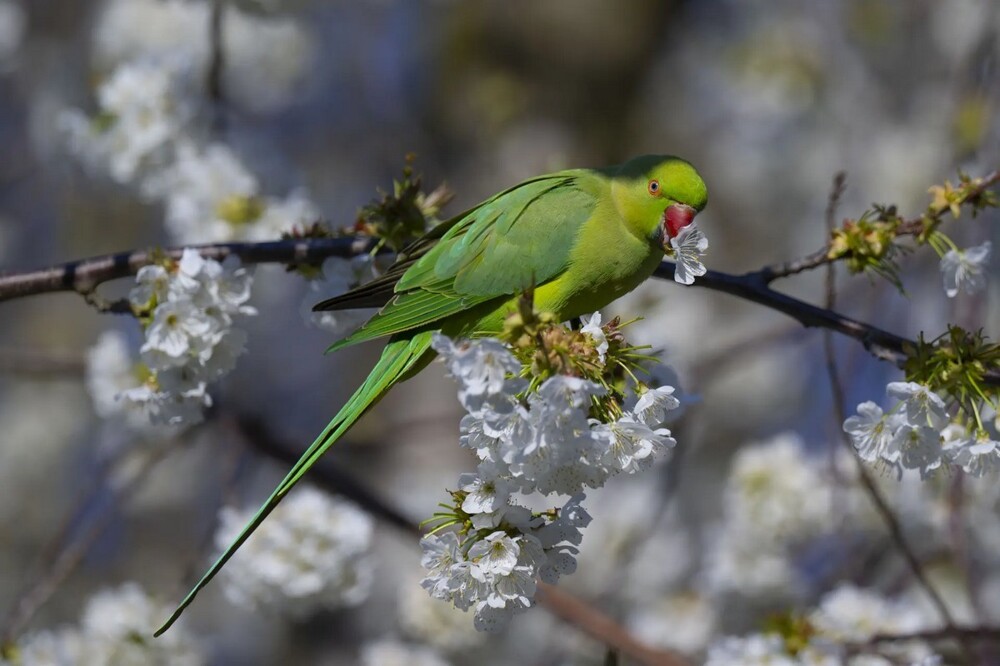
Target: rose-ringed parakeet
(581, 238)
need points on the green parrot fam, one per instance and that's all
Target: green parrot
(581, 238)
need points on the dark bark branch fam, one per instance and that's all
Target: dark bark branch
(84, 276)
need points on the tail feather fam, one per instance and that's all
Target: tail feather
(397, 359)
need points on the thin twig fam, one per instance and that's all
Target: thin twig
(577, 613)
(977, 633)
(909, 227)
(840, 413)
(216, 65)
(41, 363)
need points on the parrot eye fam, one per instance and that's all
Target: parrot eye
(654, 187)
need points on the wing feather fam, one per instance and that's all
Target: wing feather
(519, 238)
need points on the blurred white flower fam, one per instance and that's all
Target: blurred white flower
(117, 629)
(60, 647)
(313, 553)
(689, 246)
(426, 619)
(183, 405)
(752, 650)
(684, 622)
(849, 614)
(852, 614)
(142, 108)
(592, 327)
(775, 491)
(338, 275)
(963, 270)
(296, 211)
(13, 25)
(387, 652)
(745, 565)
(267, 58)
(210, 195)
(110, 371)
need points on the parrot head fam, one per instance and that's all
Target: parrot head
(658, 195)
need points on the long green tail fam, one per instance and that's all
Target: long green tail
(398, 357)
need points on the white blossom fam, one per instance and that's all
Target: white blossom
(916, 447)
(964, 269)
(870, 431)
(190, 339)
(481, 366)
(543, 442)
(978, 456)
(653, 406)
(689, 246)
(923, 407)
(592, 327)
(632, 445)
(312, 554)
(487, 490)
(495, 555)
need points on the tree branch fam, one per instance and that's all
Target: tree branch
(84, 276)
(909, 227)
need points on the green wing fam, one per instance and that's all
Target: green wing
(520, 238)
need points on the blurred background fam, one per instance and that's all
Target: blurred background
(319, 102)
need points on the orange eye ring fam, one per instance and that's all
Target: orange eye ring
(654, 188)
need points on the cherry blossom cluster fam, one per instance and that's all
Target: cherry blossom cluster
(116, 627)
(188, 309)
(917, 432)
(143, 135)
(148, 128)
(531, 435)
(313, 554)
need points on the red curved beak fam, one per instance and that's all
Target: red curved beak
(676, 217)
